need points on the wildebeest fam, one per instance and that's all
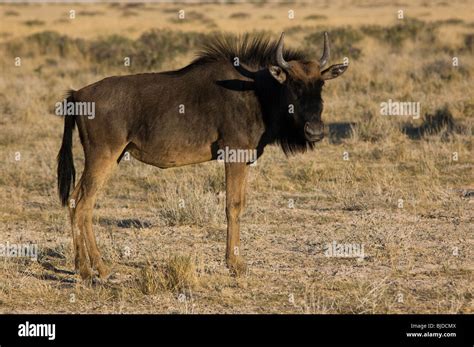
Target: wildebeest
(237, 94)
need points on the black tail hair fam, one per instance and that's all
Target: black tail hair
(66, 171)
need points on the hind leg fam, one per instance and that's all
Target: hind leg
(97, 169)
(75, 232)
(81, 257)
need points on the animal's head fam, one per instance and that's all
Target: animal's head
(302, 83)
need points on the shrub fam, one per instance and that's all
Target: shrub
(111, 50)
(47, 42)
(11, 13)
(343, 40)
(156, 46)
(148, 52)
(469, 42)
(315, 17)
(239, 15)
(444, 70)
(397, 34)
(33, 22)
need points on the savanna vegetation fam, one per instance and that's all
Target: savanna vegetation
(400, 186)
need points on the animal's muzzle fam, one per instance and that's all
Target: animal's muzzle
(314, 131)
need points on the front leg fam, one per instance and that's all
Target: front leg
(235, 176)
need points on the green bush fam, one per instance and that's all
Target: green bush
(111, 50)
(397, 34)
(148, 52)
(47, 43)
(156, 46)
(469, 42)
(342, 39)
(444, 70)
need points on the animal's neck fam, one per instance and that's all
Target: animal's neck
(280, 128)
(269, 94)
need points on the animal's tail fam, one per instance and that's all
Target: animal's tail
(66, 171)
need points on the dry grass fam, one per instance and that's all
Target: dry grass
(404, 192)
(178, 274)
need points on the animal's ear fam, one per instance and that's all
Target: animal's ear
(278, 73)
(334, 71)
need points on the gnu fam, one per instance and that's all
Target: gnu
(186, 116)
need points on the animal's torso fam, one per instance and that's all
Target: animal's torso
(176, 118)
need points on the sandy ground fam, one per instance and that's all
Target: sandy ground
(406, 200)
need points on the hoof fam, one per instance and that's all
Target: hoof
(85, 272)
(104, 272)
(77, 265)
(237, 266)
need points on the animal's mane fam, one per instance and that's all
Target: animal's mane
(257, 50)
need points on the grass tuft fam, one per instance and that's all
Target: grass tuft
(177, 274)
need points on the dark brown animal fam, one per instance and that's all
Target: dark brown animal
(238, 94)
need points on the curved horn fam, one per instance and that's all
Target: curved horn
(325, 57)
(279, 53)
